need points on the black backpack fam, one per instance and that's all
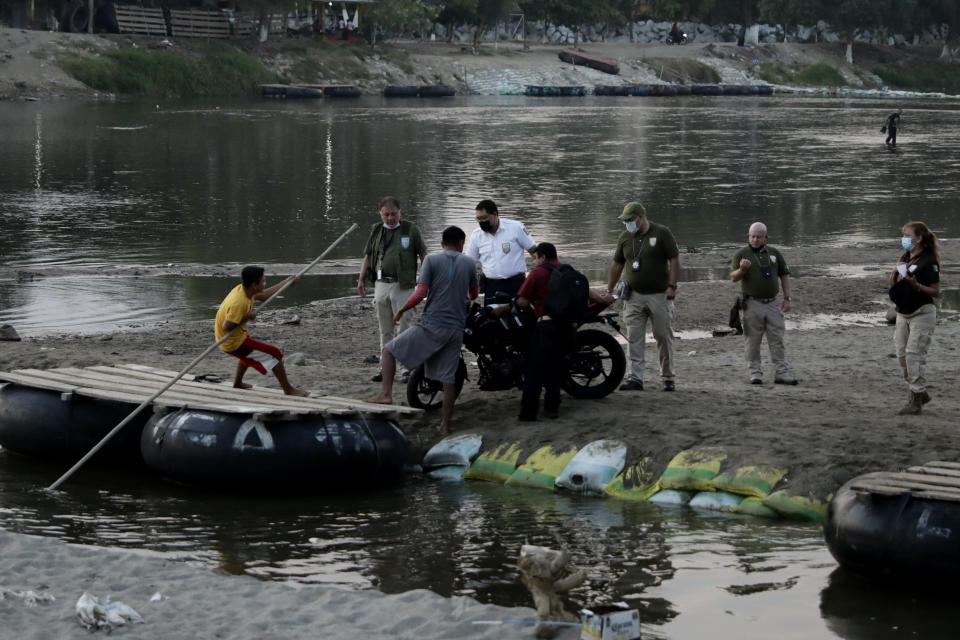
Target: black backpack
(568, 293)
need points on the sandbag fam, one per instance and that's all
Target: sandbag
(594, 466)
(755, 507)
(757, 481)
(452, 456)
(693, 469)
(635, 483)
(672, 497)
(541, 468)
(796, 507)
(496, 465)
(716, 500)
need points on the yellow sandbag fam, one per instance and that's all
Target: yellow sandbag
(693, 469)
(757, 481)
(796, 507)
(636, 482)
(495, 466)
(754, 507)
(541, 469)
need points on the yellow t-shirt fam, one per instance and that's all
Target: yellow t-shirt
(233, 308)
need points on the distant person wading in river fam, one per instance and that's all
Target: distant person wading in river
(893, 123)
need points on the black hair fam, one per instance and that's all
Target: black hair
(489, 206)
(546, 250)
(251, 275)
(389, 200)
(452, 236)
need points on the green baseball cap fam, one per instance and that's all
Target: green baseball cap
(631, 210)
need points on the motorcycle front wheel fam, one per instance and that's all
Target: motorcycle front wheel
(423, 393)
(596, 367)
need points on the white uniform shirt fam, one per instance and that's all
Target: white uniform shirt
(501, 254)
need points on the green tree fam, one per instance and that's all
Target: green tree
(790, 13)
(396, 15)
(850, 15)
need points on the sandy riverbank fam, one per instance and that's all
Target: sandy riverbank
(839, 422)
(30, 62)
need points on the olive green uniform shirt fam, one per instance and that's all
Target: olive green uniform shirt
(646, 257)
(403, 245)
(762, 279)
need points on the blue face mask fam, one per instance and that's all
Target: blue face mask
(632, 226)
(386, 226)
(906, 243)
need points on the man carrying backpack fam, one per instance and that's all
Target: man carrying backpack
(559, 295)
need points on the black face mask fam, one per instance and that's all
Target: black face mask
(485, 226)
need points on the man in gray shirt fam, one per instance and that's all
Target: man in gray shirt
(447, 279)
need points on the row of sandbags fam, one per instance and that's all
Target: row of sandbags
(696, 477)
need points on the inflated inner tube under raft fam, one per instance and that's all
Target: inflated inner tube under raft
(202, 431)
(702, 477)
(898, 525)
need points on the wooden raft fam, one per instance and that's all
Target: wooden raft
(135, 383)
(936, 480)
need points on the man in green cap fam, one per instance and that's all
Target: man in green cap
(650, 253)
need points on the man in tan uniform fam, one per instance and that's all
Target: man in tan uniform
(650, 253)
(761, 271)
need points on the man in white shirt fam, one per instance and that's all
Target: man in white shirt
(499, 245)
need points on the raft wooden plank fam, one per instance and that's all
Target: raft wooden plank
(944, 464)
(146, 20)
(217, 397)
(85, 385)
(171, 397)
(905, 485)
(199, 23)
(923, 478)
(950, 473)
(195, 394)
(143, 368)
(882, 489)
(200, 390)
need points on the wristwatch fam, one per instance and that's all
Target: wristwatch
(672, 286)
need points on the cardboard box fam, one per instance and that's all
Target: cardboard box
(609, 622)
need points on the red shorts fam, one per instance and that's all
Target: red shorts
(261, 356)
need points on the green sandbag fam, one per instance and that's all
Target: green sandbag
(495, 466)
(693, 469)
(796, 507)
(541, 469)
(755, 507)
(756, 480)
(634, 483)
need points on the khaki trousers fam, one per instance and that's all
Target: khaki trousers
(388, 299)
(912, 339)
(764, 318)
(636, 309)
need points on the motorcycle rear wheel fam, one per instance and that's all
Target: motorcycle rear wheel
(597, 366)
(423, 393)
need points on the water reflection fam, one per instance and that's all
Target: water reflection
(276, 182)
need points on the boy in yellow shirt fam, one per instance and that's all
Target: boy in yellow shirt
(235, 310)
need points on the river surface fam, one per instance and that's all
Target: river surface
(125, 211)
(105, 207)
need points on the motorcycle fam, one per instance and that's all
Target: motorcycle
(593, 369)
(678, 38)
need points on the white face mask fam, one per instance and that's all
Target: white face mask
(907, 243)
(632, 226)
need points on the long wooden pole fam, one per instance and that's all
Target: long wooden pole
(190, 366)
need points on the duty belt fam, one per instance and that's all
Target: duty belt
(387, 279)
(763, 300)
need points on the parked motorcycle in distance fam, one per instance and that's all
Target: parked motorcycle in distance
(593, 369)
(676, 38)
